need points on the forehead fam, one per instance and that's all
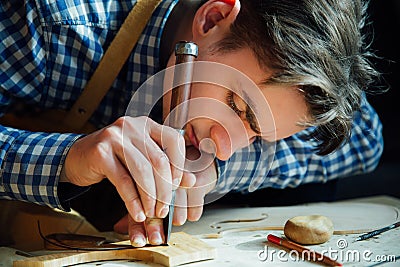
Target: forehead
(245, 61)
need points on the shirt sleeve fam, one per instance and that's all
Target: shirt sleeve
(294, 161)
(31, 164)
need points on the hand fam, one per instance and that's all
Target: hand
(141, 158)
(188, 206)
(189, 202)
(152, 228)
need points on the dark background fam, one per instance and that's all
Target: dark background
(385, 17)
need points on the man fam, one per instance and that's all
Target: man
(306, 58)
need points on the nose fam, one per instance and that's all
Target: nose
(227, 143)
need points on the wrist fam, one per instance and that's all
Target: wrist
(63, 176)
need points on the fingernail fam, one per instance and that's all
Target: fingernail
(155, 238)
(138, 241)
(164, 211)
(181, 220)
(140, 217)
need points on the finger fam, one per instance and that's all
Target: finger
(180, 209)
(162, 178)
(173, 145)
(154, 230)
(137, 233)
(142, 172)
(188, 180)
(126, 188)
(121, 227)
(160, 188)
(195, 201)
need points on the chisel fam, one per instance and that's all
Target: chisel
(185, 53)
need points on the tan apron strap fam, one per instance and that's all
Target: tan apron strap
(110, 65)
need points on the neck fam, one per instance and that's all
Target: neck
(177, 28)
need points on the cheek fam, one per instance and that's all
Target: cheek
(289, 112)
(287, 126)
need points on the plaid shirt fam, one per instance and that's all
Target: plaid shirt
(49, 49)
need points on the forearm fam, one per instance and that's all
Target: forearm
(31, 164)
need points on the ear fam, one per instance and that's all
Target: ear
(214, 15)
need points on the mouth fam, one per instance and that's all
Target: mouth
(192, 136)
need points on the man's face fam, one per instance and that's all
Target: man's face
(233, 112)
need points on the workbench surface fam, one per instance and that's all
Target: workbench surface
(249, 248)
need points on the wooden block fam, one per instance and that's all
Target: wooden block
(19, 224)
(182, 249)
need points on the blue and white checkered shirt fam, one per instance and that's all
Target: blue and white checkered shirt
(49, 49)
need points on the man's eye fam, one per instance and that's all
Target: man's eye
(231, 102)
(246, 115)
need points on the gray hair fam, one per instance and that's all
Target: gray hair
(318, 46)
